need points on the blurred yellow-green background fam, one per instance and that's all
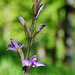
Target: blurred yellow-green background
(54, 45)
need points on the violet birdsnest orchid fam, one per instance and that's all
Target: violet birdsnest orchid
(31, 63)
(14, 46)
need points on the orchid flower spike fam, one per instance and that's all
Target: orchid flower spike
(14, 46)
(31, 63)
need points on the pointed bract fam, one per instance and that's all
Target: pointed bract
(40, 9)
(26, 28)
(36, 5)
(36, 1)
(37, 31)
(21, 20)
(39, 27)
(39, 1)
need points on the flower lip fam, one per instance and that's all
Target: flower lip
(32, 58)
(32, 62)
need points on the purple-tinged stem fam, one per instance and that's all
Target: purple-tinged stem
(33, 21)
(22, 57)
(26, 74)
(32, 26)
(29, 47)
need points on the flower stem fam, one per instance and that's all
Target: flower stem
(22, 57)
(29, 47)
(33, 21)
(26, 74)
(30, 38)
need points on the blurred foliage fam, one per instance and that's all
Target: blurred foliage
(10, 27)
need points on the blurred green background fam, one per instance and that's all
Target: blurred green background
(49, 47)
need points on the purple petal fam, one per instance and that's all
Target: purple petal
(14, 42)
(37, 64)
(40, 65)
(25, 62)
(11, 45)
(22, 46)
(34, 64)
(12, 49)
(21, 20)
(35, 56)
(31, 63)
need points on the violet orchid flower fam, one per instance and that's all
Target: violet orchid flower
(32, 62)
(14, 45)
